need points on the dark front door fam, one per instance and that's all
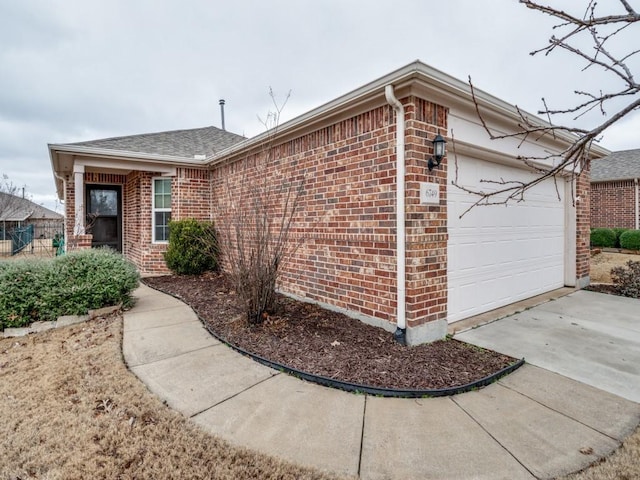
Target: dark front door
(104, 215)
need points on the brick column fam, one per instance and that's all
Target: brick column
(426, 225)
(79, 242)
(583, 228)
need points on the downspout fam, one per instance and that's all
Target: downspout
(401, 321)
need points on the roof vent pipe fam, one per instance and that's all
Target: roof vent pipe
(222, 112)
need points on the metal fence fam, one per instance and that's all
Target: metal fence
(36, 239)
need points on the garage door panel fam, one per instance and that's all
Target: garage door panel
(500, 255)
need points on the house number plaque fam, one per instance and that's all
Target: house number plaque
(429, 193)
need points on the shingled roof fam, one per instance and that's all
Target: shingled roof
(176, 143)
(18, 209)
(621, 165)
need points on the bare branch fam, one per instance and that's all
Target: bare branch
(576, 155)
(259, 203)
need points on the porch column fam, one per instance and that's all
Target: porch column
(78, 178)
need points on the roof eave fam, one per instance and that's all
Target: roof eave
(78, 150)
(107, 152)
(433, 78)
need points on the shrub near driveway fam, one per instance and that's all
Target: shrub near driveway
(72, 284)
(603, 237)
(630, 240)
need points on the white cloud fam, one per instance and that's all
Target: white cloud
(74, 70)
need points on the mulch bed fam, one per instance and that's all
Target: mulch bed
(317, 341)
(607, 288)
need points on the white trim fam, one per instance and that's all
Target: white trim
(125, 165)
(414, 77)
(154, 210)
(111, 153)
(436, 85)
(79, 214)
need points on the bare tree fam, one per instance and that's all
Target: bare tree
(609, 53)
(255, 219)
(10, 201)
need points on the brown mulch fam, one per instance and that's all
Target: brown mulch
(321, 342)
(603, 288)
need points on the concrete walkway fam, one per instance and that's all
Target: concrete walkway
(532, 424)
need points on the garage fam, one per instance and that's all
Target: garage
(499, 254)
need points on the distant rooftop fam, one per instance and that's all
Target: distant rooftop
(18, 209)
(177, 143)
(621, 165)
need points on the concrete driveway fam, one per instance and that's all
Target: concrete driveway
(590, 337)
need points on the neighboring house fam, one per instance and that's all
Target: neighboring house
(18, 212)
(615, 193)
(454, 267)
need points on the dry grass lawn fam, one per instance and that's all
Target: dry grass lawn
(602, 263)
(624, 464)
(70, 409)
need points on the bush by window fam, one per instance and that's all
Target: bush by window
(193, 248)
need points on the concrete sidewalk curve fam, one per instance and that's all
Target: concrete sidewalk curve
(531, 424)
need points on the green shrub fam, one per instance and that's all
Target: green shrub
(619, 231)
(72, 284)
(603, 237)
(627, 279)
(192, 247)
(630, 240)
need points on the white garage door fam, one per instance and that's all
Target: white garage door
(498, 255)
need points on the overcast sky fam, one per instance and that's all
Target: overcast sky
(74, 70)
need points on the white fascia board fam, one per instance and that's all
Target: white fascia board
(108, 153)
(124, 165)
(437, 83)
(114, 159)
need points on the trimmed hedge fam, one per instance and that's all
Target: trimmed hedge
(192, 247)
(619, 231)
(603, 237)
(72, 284)
(630, 240)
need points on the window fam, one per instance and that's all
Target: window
(161, 209)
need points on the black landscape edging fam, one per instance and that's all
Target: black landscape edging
(354, 387)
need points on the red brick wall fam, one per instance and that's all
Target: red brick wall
(426, 225)
(613, 204)
(191, 194)
(132, 212)
(583, 230)
(347, 212)
(69, 207)
(190, 199)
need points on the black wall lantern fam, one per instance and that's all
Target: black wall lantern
(438, 151)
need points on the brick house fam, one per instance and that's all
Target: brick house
(351, 153)
(615, 193)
